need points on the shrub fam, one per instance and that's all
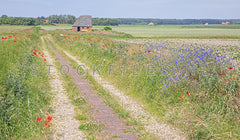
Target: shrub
(107, 28)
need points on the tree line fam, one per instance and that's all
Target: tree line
(60, 19)
(4, 19)
(70, 19)
(142, 21)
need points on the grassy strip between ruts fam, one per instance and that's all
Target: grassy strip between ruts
(110, 101)
(82, 109)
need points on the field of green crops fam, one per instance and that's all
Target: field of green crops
(7, 28)
(190, 31)
(177, 31)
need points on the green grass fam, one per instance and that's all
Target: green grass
(88, 125)
(210, 111)
(8, 28)
(55, 27)
(63, 27)
(23, 96)
(167, 31)
(177, 31)
(138, 128)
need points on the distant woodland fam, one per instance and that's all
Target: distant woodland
(70, 19)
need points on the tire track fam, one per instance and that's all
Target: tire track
(114, 128)
(64, 124)
(136, 110)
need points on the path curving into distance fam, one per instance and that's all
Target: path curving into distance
(114, 127)
(137, 111)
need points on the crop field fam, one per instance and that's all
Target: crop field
(56, 27)
(178, 31)
(171, 31)
(191, 85)
(7, 28)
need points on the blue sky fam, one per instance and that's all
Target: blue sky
(180, 9)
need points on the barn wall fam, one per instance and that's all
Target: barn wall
(85, 28)
(82, 28)
(74, 28)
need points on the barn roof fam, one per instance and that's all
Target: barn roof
(83, 20)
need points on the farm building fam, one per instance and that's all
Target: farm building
(225, 23)
(83, 23)
(151, 24)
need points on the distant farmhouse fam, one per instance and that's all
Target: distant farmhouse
(83, 23)
(225, 23)
(151, 24)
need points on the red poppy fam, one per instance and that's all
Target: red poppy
(149, 51)
(237, 93)
(188, 94)
(45, 59)
(103, 46)
(139, 46)
(35, 50)
(5, 37)
(223, 73)
(118, 51)
(115, 42)
(230, 68)
(226, 80)
(181, 97)
(14, 41)
(127, 50)
(233, 78)
(2, 37)
(133, 49)
(145, 51)
(38, 119)
(49, 118)
(47, 124)
(115, 53)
